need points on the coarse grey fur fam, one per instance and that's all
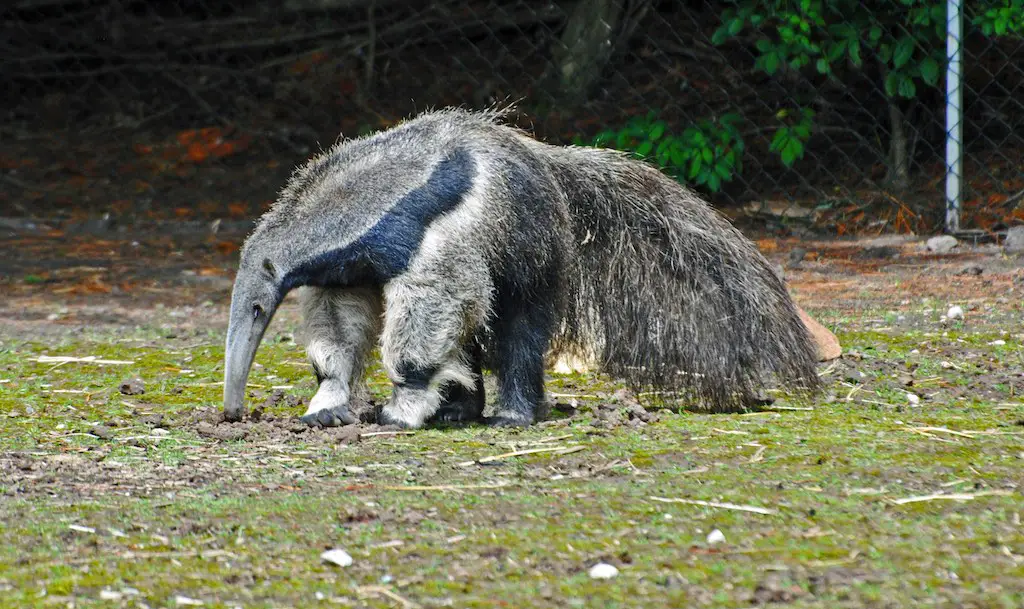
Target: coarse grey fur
(546, 247)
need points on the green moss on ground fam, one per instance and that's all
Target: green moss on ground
(170, 510)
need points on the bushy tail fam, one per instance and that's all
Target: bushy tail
(669, 295)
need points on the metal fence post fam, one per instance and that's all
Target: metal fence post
(954, 119)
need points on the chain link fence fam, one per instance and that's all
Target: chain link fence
(821, 115)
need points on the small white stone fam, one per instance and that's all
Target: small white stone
(1014, 240)
(998, 343)
(184, 601)
(603, 570)
(110, 595)
(319, 596)
(955, 312)
(715, 536)
(160, 431)
(338, 557)
(942, 244)
(914, 399)
(668, 516)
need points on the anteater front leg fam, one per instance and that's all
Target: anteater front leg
(341, 325)
(426, 325)
(459, 404)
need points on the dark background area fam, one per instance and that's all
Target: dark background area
(199, 110)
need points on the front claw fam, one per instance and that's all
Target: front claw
(456, 412)
(329, 417)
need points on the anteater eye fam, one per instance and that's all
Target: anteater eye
(257, 310)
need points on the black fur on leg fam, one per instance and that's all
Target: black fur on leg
(521, 340)
(461, 405)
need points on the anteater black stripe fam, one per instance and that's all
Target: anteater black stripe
(385, 250)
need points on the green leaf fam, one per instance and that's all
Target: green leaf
(780, 139)
(719, 36)
(708, 155)
(714, 182)
(822, 65)
(645, 148)
(835, 51)
(892, 82)
(694, 167)
(764, 45)
(656, 131)
(735, 26)
(930, 71)
(792, 151)
(1001, 26)
(907, 87)
(903, 52)
(855, 53)
(677, 156)
(664, 147)
(771, 63)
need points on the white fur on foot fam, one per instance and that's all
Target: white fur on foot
(411, 408)
(332, 393)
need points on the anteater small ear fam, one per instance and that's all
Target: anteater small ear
(268, 266)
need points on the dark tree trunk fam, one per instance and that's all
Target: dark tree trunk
(899, 150)
(585, 47)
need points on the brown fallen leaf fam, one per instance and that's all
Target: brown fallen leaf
(826, 343)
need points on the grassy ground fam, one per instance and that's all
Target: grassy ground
(901, 486)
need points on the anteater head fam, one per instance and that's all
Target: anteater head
(256, 295)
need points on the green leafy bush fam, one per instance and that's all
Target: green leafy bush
(707, 153)
(899, 42)
(790, 138)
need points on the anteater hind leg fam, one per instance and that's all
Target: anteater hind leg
(459, 404)
(341, 325)
(521, 339)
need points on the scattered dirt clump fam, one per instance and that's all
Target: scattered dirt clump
(132, 386)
